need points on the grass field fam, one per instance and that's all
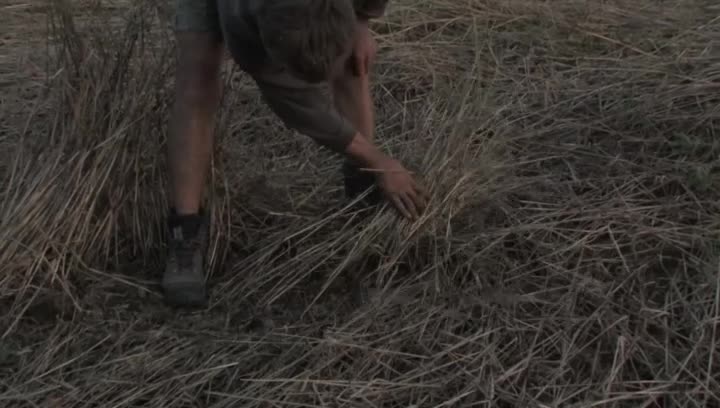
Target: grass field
(570, 256)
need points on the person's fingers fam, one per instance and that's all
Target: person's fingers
(417, 200)
(410, 205)
(400, 206)
(420, 190)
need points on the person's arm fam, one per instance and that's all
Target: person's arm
(363, 152)
(394, 180)
(309, 110)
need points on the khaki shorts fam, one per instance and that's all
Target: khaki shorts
(197, 16)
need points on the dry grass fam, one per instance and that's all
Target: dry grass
(570, 256)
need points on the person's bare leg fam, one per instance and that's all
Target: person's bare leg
(190, 143)
(197, 96)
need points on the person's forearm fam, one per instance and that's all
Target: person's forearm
(362, 151)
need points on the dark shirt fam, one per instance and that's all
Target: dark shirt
(303, 106)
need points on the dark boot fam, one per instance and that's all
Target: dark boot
(184, 278)
(357, 182)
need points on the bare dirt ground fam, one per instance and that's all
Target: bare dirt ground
(570, 256)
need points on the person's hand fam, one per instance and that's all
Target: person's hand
(396, 183)
(401, 189)
(364, 49)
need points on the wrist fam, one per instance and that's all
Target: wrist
(365, 154)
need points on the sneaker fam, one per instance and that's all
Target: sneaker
(357, 183)
(184, 280)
